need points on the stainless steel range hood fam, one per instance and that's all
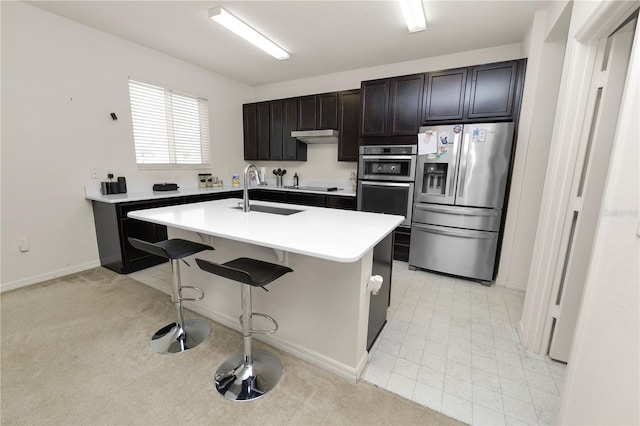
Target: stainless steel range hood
(316, 136)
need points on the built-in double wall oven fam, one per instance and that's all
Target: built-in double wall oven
(386, 176)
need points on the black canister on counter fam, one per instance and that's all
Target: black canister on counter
(122, 185)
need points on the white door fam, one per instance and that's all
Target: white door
(589, 178)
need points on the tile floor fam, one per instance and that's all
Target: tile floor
(451, 345)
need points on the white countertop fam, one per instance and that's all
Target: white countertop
(140, 192)
(332, 234)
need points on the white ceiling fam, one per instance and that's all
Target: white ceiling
(322, 37)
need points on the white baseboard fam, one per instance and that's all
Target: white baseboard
(47, 276)
(311, 357)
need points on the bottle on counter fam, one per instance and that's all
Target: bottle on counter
(295, 179)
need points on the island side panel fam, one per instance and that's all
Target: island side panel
(322, 307)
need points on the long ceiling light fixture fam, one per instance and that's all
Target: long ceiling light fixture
(234, 24)
(413, 15)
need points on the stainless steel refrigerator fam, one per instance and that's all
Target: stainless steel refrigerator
(461, 178)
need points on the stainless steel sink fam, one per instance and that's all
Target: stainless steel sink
(270, 209)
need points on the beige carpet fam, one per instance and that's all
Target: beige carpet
(75, 350)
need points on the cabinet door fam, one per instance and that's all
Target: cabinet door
(444, 95)
(492, 90)
(142, 230)
(341, 202)
(263, 130)
(306, 199)
(405, 101)
(250, 127)
(327, 111)
(276, 131)
(349, 123)
(374, 105)
(293, 149)
(268, 195)
(307, 113)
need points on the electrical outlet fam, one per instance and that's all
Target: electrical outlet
(94, 173)
(23, 244)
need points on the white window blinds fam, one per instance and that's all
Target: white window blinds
(169, 128)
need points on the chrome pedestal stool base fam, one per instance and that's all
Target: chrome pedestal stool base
(238, 381)
(172, 339)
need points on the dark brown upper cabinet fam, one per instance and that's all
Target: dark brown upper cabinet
(327, 114)
(256, 118)
(444, 95)
(250, 130)
(276, 130)
(492, 90)
(318, 112)
(375, 103)
(293, 149)
(283, 118)
(349, 123)
(489, 92)
(307, 113)
(392, 106)
(267, 131)
(405, 100)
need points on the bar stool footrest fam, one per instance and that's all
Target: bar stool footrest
(262, 331)
(192, 299)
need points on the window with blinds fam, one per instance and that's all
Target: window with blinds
(170, 129)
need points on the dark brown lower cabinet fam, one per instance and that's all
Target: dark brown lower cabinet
(338, 202)
(401, 240)
(304, 198)
(113, 228)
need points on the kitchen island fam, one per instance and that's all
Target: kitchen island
(323, 306)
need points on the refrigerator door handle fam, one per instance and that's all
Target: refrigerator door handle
(463, 166)
(463, 211)
(454, 165)
(455, 232)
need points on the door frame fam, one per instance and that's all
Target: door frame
(550, 246)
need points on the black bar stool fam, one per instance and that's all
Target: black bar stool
(250, 374)
(183, 334)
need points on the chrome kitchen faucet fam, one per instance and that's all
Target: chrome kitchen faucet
(245, 192)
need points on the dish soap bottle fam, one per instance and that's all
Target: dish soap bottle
(295, 179)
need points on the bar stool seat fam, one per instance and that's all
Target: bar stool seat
(181, 335)
(250, 374)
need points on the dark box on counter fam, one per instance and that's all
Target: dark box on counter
(119, 187)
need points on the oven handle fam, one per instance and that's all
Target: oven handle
(376, 183)
(387, 157)
(461, 233)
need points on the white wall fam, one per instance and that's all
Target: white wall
(60, 81)
(602, 384)
(544, 70)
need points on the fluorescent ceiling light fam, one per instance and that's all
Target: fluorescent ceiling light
(413, 15)
(234, 24)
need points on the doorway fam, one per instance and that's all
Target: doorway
(588, 181)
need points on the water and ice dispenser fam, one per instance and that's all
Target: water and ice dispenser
(435, 178)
